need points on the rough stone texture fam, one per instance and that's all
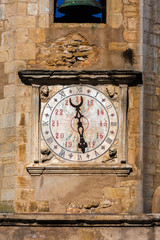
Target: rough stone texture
(151, 45)
(29, 39)
(77, 227)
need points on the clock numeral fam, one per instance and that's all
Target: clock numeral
(96, 153)
(62, 93)
(109, 106)
(103, 123)
(100, 112)
(113, 123)
(90, 102)
(68, 144)
(49, 140)
(55, 123)
(45, 124)
(59, 135)
(79, 157)
(66, 102)
(99, 135)
(79, 89)
(59, 112)
(96, 94)
(62, 153)
(91, 144)
(50, 107)
(108, 140)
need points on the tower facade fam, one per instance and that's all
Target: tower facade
(79, 119)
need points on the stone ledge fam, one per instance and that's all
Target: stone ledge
(119, 170)
(80, 220)
(47, 77)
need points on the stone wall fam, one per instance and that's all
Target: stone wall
(30, 40)
(78, 227)
(151, 69)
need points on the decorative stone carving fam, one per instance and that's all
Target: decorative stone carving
(112, 92)
(44, 93)
(112, 155)
(46, 154)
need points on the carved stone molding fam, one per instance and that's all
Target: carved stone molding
(119, 170)
(46, 77)
(79, 220)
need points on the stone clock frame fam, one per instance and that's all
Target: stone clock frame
(39, 78)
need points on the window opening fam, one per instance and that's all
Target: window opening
(80, 11)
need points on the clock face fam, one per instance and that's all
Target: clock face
(79, 123)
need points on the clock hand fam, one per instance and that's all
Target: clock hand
(82, 144)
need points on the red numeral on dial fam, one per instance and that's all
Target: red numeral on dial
(59, 135)
(59, 112)
(68, 144)
(99, 135)
(90, 102)
(100, 112)
(103, 123)
(55, 123)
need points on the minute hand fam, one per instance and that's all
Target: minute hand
(82, 144)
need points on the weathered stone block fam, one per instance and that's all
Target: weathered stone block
(8, 182)
(36, 35)
(6, 208)
(10, 9)
(21, 8)
(32, 9)
(20, 206)
(1, 106)
(4, 54)
(110, 192)
(23, 119)
(114, 6)
(9, 170)
(23, 182)
(2, 11)
(7, 194)
(132, 23)
(130, 36)
(23, 105)
(24, 22)
(22, 35)
(14, 66)
(9, 90)
(43, 206)
(44, 21)
(117, 46)
(8, 38)
(7, 120)
(44, 6)
(32, 206)
(25, 51)
(115, 20)
(24, 194)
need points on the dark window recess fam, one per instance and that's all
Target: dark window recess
(80, 11)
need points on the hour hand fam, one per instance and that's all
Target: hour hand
(82, 144)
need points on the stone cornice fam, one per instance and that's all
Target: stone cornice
(119, 170)
(79, 220)
(47, 77)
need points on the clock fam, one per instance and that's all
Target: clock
(79, 123)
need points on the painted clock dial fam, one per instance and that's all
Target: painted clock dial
(79, 123)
